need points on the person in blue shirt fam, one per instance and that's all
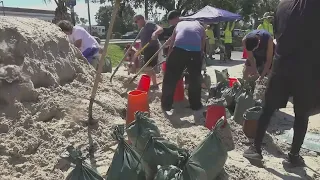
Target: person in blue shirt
(260, 49)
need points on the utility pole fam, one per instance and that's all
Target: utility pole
(73, 18)
(4, 14)
(89, 19)
(71, 5)
(146, 9)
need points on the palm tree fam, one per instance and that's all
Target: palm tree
(61, 12)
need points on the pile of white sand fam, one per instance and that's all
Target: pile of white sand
(45, 86)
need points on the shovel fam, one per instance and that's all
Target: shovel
(149, 61)
(125, 55)
(104, 53)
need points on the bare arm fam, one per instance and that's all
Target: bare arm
(269, 57)
(251, 58)
(172, 39)
(134, 49)
(158, 30)
(78, 43)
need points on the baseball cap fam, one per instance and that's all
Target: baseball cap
(173, 14)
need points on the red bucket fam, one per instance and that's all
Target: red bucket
(179, 92)
(214, 113)
(164, 66)
(144, 83)
(232, 81)
(137, 101)
(244, 54)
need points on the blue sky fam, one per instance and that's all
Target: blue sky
(80, 8)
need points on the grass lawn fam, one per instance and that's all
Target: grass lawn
(115, 52)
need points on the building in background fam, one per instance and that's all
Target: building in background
(45, 15)
(99, 31)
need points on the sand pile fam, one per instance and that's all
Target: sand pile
(45, 89)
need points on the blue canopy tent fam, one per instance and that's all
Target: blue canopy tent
(210, 14)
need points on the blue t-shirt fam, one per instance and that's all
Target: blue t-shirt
(260, 54)
(145, 35)
(189, 35)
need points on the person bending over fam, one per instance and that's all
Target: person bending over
(186, 49)
(295, 73)
(149, 34)
(259, 46)
(81, 39)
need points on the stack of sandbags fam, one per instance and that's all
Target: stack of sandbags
(154, 150)
(205, 162)
(126, 163)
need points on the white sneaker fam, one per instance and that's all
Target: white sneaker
(167, 113)
(199, 118)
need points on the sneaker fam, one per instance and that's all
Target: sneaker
(199, 118)
(294, 161)
(167, 111)
(252, 153)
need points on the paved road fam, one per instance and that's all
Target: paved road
(119, 41)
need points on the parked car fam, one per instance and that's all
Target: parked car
(235, 33)
(130, 35)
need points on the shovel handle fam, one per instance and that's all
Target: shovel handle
(149, 61)
(125, 55)
(140, 51)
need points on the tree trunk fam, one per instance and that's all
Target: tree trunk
(61, 13)
(146, 9)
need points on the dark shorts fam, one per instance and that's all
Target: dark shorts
(148, 53)
(286, 81)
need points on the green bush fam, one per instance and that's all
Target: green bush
(115, 52)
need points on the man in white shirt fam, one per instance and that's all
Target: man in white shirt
(81, 39)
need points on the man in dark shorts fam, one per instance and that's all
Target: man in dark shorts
(260, 47)
(149, 34)
(186, 50)
(295, 72)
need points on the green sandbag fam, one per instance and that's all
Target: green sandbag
(222, 86)
(206, 79)
(140, 130)
(222, 76)
(207, 160)
(253, 113)
(126, 162)
(107, 66)
(217, 102)
(243, 102)
(168, 173)
(260, 89)
(82, 171)
(160, 151)
(229, 94)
